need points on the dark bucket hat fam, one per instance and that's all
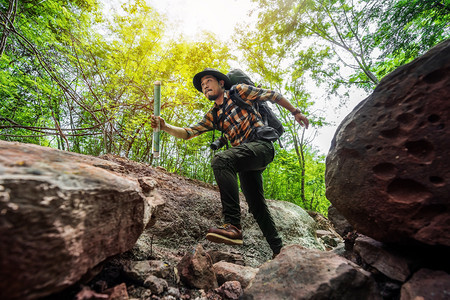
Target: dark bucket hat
(210, 71)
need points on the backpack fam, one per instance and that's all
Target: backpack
(268, 117)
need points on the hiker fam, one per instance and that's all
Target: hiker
(248, 157)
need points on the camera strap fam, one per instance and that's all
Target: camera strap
(216, 121)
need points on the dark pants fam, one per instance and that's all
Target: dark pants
(249, 161)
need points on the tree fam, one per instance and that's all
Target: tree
(272, 64)
(282, 181)
(140, 55)
(75, 80)
(323, 38)
(35, 69)
(407, 29)
(7, 21)
(337, 41)
(94, 90)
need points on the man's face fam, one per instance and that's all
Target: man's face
(211, 88)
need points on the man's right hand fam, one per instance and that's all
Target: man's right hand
(162, 123)
(177, 132)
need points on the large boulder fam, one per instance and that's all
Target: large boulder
(300, 273)
(388, 168)
(61, 214)
(294, 225)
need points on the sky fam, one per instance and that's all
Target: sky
(192, 17)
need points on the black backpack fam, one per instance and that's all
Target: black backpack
(269, 118)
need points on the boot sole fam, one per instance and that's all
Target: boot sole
(216, 238)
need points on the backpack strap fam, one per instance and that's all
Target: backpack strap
(215, 121)
(216, 126)
(237, 99)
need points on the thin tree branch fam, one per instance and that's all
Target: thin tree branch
(10, 17)
(61, 134)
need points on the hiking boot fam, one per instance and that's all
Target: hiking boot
(276, 252)
(227, 234)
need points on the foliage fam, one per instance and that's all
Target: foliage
(84, 83)
(87, 85)
(322, 38)
(34, 63)
(407, 29)
(336, 41)
(282, 180)
(272, 62)
(94, 91)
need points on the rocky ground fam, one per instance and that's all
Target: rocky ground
(190, 208)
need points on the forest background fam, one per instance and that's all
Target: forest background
(78, 76)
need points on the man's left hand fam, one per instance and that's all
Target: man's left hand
(302, 120)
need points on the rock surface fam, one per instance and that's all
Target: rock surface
(192, 207)
(427, 284)
(374, 253)
(388, 169)
(196, 270)
(139, 271)
(230, 290)
(231, 272)
(299, 273)
(149, 269)
(61, 214)
(340, 223)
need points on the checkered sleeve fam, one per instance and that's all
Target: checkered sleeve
(252, 93)
(206, 124)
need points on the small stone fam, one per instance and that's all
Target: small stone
(155, 284)
(196, 270)
(119, 292)
(231, 272)
(231, 290)
(376, 254)
(173, 291)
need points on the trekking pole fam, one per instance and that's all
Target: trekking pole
(157, 112)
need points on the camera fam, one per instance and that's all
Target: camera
(217, 144)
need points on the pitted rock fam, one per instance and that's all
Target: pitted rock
(388, 168)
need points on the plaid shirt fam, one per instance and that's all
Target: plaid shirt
(237, 124)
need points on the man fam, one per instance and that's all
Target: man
(248, 156)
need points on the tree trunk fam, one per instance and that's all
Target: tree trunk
(10, 16)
